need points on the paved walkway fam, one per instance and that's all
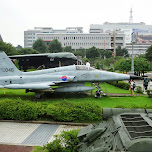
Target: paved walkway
(30, 134)
(123, 95)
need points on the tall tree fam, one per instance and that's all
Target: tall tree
(125, 65)
(40, 46)
(80, 52)
(121, 52)
(105, 54)
(55, 46)
(141, 65)
(67, 49)
(149, 53)
(92, 52)
(7, 48)
(19, 47)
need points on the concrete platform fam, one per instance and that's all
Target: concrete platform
(30, 134)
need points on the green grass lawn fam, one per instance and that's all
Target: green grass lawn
(102, 102)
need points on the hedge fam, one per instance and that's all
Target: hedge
(67, 111)
(19, 110)
(120, 84)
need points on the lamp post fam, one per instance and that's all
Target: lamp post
(132, 64)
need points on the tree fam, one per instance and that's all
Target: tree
(149, 54)
(92, 53)
(106, 53)
(7, 48)
(19, 47)
(125, 65)
(80, 52)
(141, 65)
(117, 64)
(27, 51)
(55, 46)
(67, 49)
(121, 52)
(40, 46)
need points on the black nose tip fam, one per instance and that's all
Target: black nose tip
(134, 77)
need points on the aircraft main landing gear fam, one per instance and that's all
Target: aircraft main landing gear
(38, 96)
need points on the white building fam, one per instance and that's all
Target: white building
(75, 38)
(31, 35)
(142, 34)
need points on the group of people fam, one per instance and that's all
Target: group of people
(147, 84)
(132, 83)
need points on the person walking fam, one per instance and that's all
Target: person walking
(146, 83)
(132, 87)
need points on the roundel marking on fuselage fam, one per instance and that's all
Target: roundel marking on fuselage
(64, 78)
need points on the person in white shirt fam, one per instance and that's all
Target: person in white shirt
(132, 87)
(150, 85)
(88, 65)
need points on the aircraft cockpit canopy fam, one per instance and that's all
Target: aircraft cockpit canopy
(83, 67)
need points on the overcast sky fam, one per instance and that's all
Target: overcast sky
(17, 16)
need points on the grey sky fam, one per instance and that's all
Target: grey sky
(16, 16)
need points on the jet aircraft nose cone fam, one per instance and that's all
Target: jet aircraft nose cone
(134, 77)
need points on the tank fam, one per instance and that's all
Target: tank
(120, 130)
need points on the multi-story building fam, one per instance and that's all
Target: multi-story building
(142, 34)
(31, 35)
(138, 49)
(75, 38)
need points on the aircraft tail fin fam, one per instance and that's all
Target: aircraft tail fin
(7, 68)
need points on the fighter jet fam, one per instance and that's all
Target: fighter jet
(61, 79)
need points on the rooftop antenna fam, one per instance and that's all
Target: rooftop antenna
(131, 17)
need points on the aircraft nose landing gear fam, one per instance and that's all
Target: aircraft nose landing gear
(99, 92)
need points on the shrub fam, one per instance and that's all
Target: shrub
(97, 66)
(67, 141)
(55, 146)
(120, 84)
(67, 111)
(139, 89)
(111, 70)
(149, 92)
(19, 110)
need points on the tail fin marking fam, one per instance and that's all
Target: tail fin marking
(7, 68)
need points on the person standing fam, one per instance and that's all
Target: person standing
(150, 85)
(132, 87)
(88, 64)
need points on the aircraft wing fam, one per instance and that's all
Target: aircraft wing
(37, 86)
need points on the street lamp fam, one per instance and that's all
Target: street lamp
(132, 64)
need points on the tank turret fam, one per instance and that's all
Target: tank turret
(121, 130)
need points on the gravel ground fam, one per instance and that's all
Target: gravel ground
(13, 148)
